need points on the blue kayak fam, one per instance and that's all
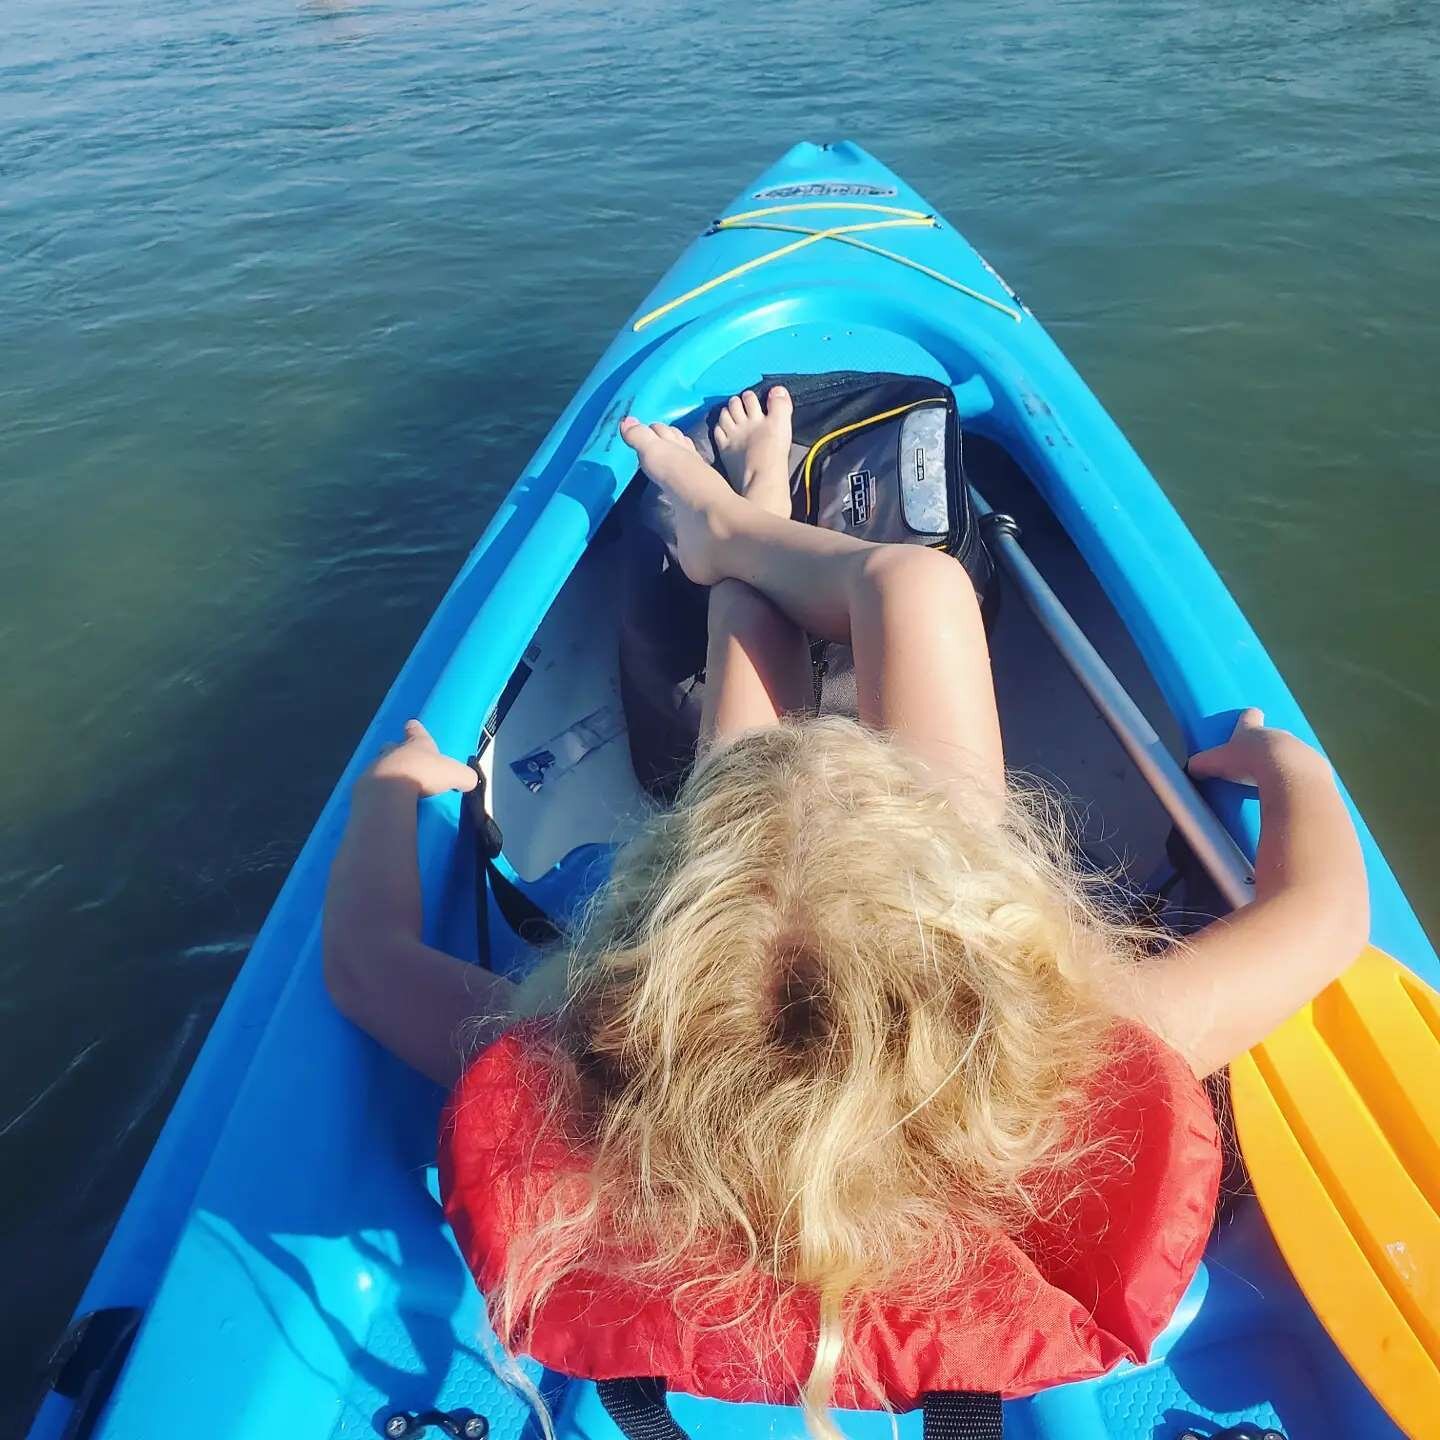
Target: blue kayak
(283, 1267)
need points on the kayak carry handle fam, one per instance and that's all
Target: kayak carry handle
(88, 1360)
(458, 1424)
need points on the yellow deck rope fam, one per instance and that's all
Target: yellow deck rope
(824, 205)
(845, 234)
(812, 237)
(905, 260)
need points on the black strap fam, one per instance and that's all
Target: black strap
(519, 911)
(962, 1415)
(532, 924)
(638, 1408)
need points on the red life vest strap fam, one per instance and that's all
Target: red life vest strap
(1065, 1300)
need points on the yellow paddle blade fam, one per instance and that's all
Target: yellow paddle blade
(1338, 1113)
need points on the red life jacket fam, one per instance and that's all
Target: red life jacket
(1063, 1301)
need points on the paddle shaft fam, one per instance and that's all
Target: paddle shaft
(1211, 843)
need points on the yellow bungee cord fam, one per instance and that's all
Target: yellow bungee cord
(843, 234)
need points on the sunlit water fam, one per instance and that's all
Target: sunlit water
(288, 292)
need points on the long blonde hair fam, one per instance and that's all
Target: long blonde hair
(820, 1023)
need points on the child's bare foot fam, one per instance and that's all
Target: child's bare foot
(704, 505)
(752, 444)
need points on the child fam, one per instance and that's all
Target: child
(843, 1024)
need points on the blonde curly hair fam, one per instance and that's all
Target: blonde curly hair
(820, 1023)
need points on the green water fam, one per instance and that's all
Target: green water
(288, 292)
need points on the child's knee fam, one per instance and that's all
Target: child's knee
(917, 575)
(743, 610)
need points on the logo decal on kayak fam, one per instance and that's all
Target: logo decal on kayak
(822, 190)
(860, 505)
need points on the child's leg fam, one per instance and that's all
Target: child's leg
(910, 614)
(757, 667)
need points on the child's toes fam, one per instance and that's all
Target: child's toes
(751, 401)
(736, 407)
(674, 436)
(778, 401)
(638, 437)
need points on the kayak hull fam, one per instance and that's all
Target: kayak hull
(291, 1261)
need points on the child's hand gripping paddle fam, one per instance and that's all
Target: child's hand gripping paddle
(1338, 1109)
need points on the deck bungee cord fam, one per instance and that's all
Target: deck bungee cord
(811, 237)
(844, 234)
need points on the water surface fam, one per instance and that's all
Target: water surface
(289, 292)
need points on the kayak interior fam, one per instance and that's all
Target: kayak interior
(565, 697)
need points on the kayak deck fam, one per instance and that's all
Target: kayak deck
(285, 1241)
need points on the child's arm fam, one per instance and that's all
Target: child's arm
(1223, 991)
(379, 972)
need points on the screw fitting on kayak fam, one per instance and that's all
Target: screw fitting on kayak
(460, 1424)
(997, 522)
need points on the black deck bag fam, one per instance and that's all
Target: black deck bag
(878, 456)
